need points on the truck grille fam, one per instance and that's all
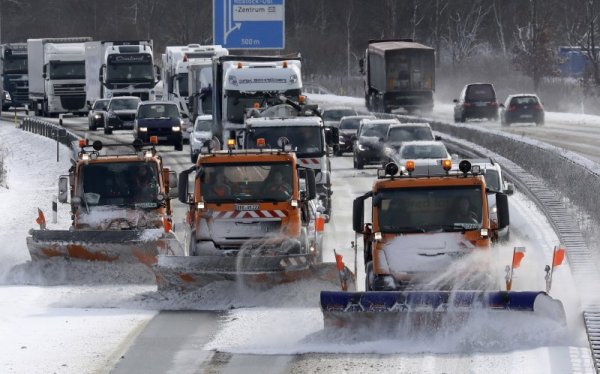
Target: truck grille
(73, 102)
(69, 89)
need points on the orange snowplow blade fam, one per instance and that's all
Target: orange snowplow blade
(91, 245)
(188, 273)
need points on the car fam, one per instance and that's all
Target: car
(310, 88)
(120, 113)
(368, 147)
(476, 101)
(522, 108)
(348, 128)
(332, 116)
(404, 132)
(160, 119)
(426, 155)
(200, 134)
(97, 114)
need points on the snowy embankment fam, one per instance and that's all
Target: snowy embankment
(37, 336)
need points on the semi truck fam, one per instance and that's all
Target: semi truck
(187, 77)
(56, 75)
(398, 74)
(243, 82)
(13, 75)
(120, 68)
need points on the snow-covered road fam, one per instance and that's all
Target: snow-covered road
(98, 328)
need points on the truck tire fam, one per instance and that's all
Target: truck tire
(369, 276)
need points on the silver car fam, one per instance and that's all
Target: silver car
(200, 134)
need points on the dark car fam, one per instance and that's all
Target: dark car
(97, 113)
(477, 101)
(398, 134)
(522, 108)
(347, 132)
(161, 119)
(368, 148)
(120, 113)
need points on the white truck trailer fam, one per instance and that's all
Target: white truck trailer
(56, 73)
(187, 75)
(120, 68)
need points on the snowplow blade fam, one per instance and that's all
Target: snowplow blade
(188, 273)
(430, 308)
(90, 245)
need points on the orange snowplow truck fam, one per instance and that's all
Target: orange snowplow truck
(120, 206)
(423, 223)
(249, 218)
(421, 227)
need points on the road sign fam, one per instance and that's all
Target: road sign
(249, 24)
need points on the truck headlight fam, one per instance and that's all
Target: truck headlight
(143, 129)
(176, 128)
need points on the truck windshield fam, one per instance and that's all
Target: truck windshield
(410, 210)
(15, 65)
(238, 102)
(120, 184)
(306, 141)
(408, 133)
(130, 68)
(246, 183)
(67, 70)
(158, 111)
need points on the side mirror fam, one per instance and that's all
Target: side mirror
(157, 73)
(89, 105)
(455, 101)
(510, 189)
(44, 75)
(361, 65)
(182, 191)
(501, 105)
(437, 137)
(502, 207)
(358, 219)
(311, 184)
(63, 188)
(173, 185)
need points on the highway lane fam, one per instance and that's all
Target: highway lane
(174, 341)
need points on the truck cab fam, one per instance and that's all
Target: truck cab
(422, 224)
(307, 135)
(13, 75)
(250, 200)
(243, 82)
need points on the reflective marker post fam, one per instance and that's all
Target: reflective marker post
(54, 209)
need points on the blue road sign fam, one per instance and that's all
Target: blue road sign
(249, 24)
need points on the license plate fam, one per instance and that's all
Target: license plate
(163, 137)
(480, 104)
(526, 115)
(246, 207)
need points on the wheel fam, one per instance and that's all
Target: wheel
(540, 123)
(179, 147)
(337, 151)
(194, 157)
(369, 276)
(107, 131)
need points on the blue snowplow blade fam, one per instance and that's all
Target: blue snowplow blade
(429, 307)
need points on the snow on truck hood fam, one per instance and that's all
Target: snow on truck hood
(425, 253)
(101, 217)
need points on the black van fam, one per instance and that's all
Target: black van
(477, 100)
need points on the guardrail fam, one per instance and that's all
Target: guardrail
(48, 129)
